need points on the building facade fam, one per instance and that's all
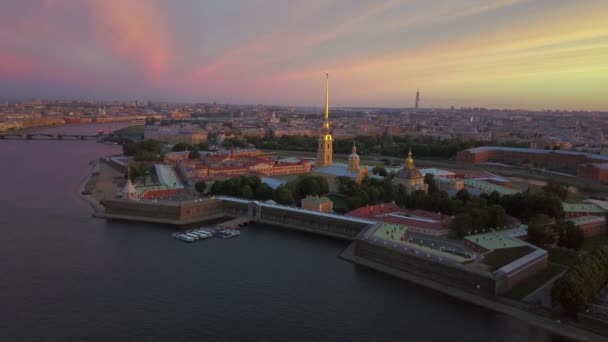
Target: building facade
(589, 166)
(322, 204)
(410, 177)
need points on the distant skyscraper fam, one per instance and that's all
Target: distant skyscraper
(417, 99)
(325, 146)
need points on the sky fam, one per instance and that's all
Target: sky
(532, 54)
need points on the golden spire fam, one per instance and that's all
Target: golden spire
(326, 97)
(325, 150)
(409, 162)
(354, 147)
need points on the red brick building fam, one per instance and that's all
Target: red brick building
(591, 225)
(416, 220)
(589, 166)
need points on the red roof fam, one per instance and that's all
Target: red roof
(370, 211)
(392, 213)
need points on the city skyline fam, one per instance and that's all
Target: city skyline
(499, 54)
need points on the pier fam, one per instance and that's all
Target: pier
(236, 223)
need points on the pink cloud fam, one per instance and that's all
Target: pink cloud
(21, 68)
(16, 67)
(134, 30)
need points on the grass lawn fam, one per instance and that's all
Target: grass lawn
(562, 257)
(526, 287)
(594, 242)
(340, 204)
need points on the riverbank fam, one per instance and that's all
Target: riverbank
(88, 182)
(554, 326)
(99, 184)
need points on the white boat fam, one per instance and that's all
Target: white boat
(201, 235)
(192, 235)
(185, 238)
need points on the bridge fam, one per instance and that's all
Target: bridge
(48, 136)
(57, 136)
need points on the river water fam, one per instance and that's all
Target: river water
(65, 276)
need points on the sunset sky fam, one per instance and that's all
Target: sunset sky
(535, 54)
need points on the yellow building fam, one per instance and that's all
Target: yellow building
(322, 204)
(410, 177)
(325, 166)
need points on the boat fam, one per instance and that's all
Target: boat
(183, 237)
(208, 230)
(201, 235)
(227, 233)
(194, 236)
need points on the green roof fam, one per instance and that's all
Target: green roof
(392, 232)
(317, 200)
(582, 207)
(386, 230)
(488, 187)
(493, 241)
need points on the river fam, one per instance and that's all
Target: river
(65, 276)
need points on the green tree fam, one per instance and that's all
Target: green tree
(379, 170)
(569, 235)
(134, 172)
(146, 150)
(462, 224)
(194, 155)
(540, 231)
(263, 192)
(309, 186)
(463, 195)
(553, 186)
(247, 192)
(283, 195)
(179, 147)
(497, 217)
(217, 188)
(429, 179)
(200, 186)
(202, 146)
(577, 288)
(346, 186)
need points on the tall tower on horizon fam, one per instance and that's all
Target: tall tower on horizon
(325, 147)
(417, 99)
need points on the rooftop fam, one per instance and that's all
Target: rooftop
(337, 170)
(488, 187)
(272, 182)
(493, 241)
(587, 219)
(317, 200)
(167, 176)
(391, 233)
(597, 157)
(582, 207)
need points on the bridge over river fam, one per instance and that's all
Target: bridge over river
(62, 136)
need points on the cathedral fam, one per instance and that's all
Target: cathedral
(410, 177)
(325, 166)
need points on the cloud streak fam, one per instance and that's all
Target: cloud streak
(273, 51)
(135, 31)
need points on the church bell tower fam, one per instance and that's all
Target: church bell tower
(325, 146)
